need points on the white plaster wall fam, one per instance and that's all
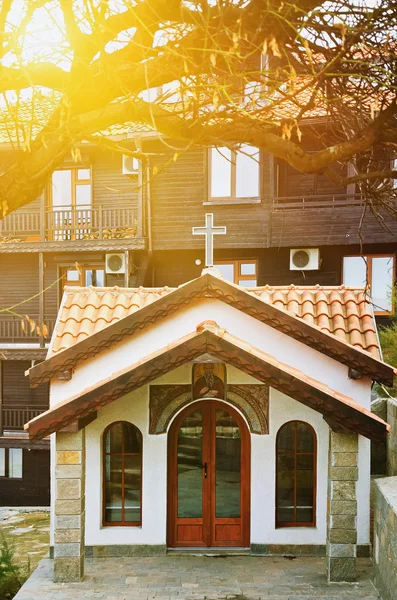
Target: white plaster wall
(263, 460)
(261, 336)
(134, 408)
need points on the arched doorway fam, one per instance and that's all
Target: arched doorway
(209, 477)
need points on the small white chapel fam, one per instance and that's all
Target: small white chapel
(211, 417)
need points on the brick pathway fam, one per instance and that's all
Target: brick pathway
(199, 578)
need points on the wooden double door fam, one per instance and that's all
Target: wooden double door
(209, 477)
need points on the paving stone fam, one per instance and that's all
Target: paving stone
(200, 578)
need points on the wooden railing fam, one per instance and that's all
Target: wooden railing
(63, 223)
(13, 331)
(317, 201)
(14, 418)
(27, 223)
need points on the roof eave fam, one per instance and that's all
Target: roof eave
(208, 285)
(336, 407)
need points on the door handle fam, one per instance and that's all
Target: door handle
(204, 466)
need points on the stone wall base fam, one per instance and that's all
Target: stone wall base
(363, 550)
(125, 550)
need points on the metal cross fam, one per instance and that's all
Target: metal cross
(209, 231)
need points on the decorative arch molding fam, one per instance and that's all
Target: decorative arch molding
(167, 400)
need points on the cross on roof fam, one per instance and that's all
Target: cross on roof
(209, 231)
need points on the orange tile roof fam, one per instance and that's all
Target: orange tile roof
(340, 311)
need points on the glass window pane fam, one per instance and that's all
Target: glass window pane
(247, 268)
(355, 271)
(227, 271)
(113, 489)
(2, 462)
(304, 488)
(228, 466)
(304, 438)
(95, 277)
(221, 172)
(247, 282)
(114, 438)
(132, 488)
(15, 462)
(247, 172)
(72, 275)
(83, 194)
(382, 282)
(285, 488)
(83, 174)
(190, 476)
(62, 188)
(286, 438)
(132, 439)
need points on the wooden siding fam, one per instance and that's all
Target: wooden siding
(328, 226)
(16, 389)
(19, 280)
(34, 487)
(291, 182)
(178, 193)
(170, 268)
(110, 186)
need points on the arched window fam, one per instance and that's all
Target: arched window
(296, 450)
(122, 474)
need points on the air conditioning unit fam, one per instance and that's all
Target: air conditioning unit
(130, 165)
(304, 259)
(115, 264)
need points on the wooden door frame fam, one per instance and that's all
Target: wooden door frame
(209, 406)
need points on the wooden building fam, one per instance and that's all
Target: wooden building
(129, 224)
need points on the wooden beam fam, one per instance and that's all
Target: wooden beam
(42, 217)
(76, 426)
(1, 397)
(41, 297)
(127, 269)
(337, 427)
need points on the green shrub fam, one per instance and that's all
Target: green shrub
(12, 576)
(388, 343)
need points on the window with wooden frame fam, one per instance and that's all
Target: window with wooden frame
(241, 272)
(122, 475)
(84, 276)
(296, 453)
(70, 188)
(375, 272)
(11, 463)
(70, 203)
(234, 175)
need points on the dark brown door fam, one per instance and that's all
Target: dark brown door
(209, 477)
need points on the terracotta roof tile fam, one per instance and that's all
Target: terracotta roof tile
(339, 311)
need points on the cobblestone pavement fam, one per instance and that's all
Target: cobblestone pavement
(199, 578)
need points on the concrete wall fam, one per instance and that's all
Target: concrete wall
(385, 537)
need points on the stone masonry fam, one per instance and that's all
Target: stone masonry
(69, 507)
(385, 537)
(342, 507)
(392, 437)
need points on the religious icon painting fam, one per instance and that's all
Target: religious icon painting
(209, 380)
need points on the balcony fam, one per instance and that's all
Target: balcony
(14, 418)
(316, 201)
(66, 224)
(12, 331)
